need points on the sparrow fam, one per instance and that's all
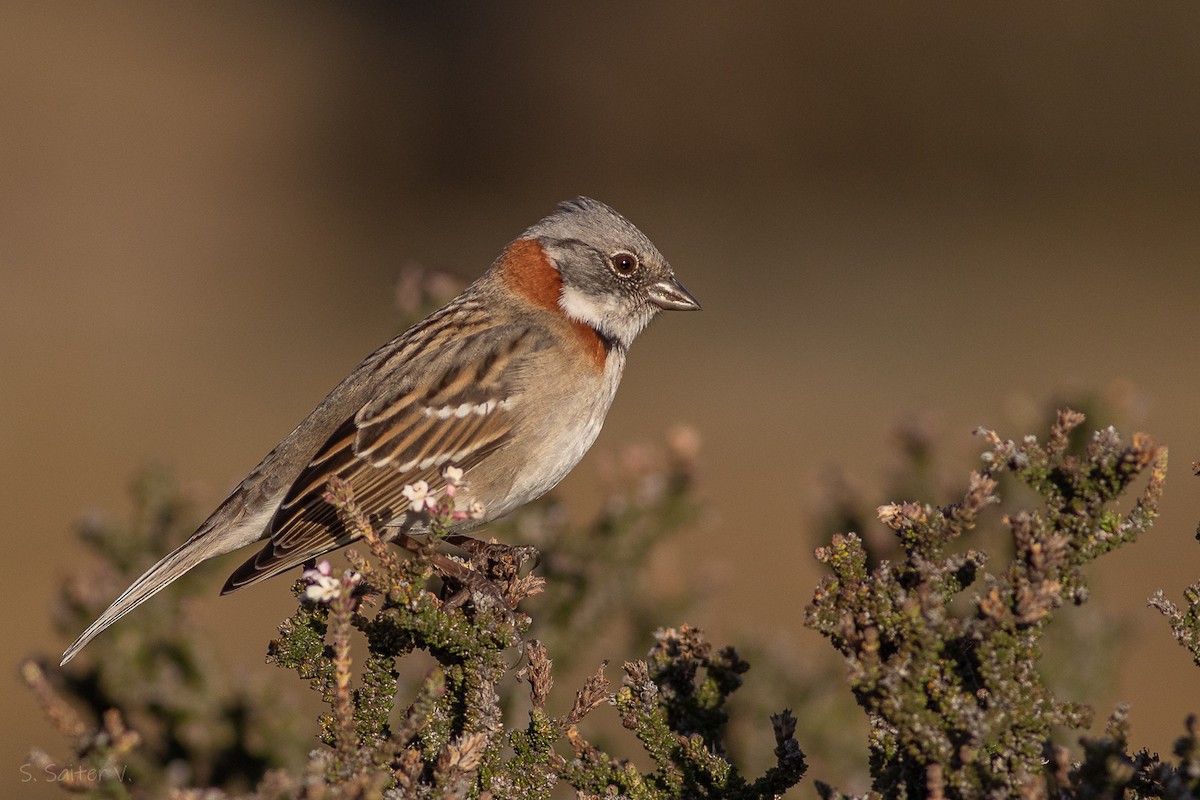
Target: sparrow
(509, 382)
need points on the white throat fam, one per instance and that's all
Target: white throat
(606, 314)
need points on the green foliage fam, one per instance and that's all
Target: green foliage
(957, 705)
(452, 741)
(449, 738)
(943, 642)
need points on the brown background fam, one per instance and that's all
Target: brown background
(883, 209)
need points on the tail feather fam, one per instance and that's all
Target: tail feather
(237, 522)
(155, 579)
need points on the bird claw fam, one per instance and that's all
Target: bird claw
(471, 585)
(493, 554)
(484, 580)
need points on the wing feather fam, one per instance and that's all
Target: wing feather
(458, 414)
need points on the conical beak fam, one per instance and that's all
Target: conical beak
(671, 296)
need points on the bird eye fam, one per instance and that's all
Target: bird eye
(623, 264)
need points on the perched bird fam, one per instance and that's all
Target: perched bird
(509, 382)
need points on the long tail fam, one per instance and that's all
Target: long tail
(155, 579)
(228, 528)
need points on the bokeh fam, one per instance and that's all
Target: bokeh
(955, 212)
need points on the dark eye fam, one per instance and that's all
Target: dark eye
(624, 264)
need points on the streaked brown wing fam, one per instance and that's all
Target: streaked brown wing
(398, 438)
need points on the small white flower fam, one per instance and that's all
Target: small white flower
(324, 589)
(453, 476)
(476, 510)
(419, 496)
(324, 586)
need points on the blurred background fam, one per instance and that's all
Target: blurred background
(954, 213)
